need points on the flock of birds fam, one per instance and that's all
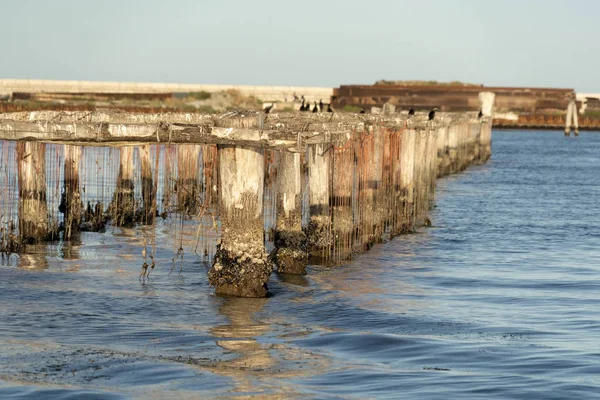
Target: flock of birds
(305, 106)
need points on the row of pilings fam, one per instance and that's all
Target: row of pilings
(255, 208)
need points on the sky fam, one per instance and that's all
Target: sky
(542, 43)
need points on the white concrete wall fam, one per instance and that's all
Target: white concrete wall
(266, 93)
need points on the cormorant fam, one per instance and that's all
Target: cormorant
(316, 109)
(362, 111)
(321, 105)
(411, 111)
(302, 106)
(268, 109)
(432, 114)
(329, 108)
(480, 114)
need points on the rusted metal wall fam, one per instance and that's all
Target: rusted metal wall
(450, 97)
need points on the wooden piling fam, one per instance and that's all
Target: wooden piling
(318, 231)
(343, 224)
(71, 203)
(122, 209)
(33, 209)
(148, 211)
(240, 265)
(209, 167)
(407, 168)
(443, 161)
(290, 254)
(485, 142)
(188, 188)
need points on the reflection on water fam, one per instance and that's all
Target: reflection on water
(498, 300)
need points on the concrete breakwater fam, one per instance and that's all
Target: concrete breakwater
(261, 191)
(265, 93)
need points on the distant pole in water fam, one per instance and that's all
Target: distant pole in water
(572, 121)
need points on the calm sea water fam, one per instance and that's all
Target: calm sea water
(500, 299)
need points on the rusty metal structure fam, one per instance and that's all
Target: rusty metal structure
(451, 98)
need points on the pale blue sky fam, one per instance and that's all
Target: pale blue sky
(304, 42)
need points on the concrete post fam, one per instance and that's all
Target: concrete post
(33, 209)
(290, 254)
(71, 204)
(240, 265)
(318, 230)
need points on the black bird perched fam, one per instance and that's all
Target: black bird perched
(432, 114)
(321, 105)
(329, 108)
(316, 108)
(302, 106)
(268, 109)
(411, 111)
(480, 114)
(362, 111)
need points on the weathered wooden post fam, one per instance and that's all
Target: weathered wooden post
(485, 141)
(71, 204)
(431, 168)
(319, 227)
(475, 142)
(33, 209)
(407, 179)
(290, 254)
(342, 178)
(240, 265)
(443, 158)
(374, 185)
(453, 154)
(188, 156)
(122, 209)
(209, 164)
(148, 186)
(487, 100)
(420, 182)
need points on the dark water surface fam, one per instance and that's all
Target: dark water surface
(500, 299)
